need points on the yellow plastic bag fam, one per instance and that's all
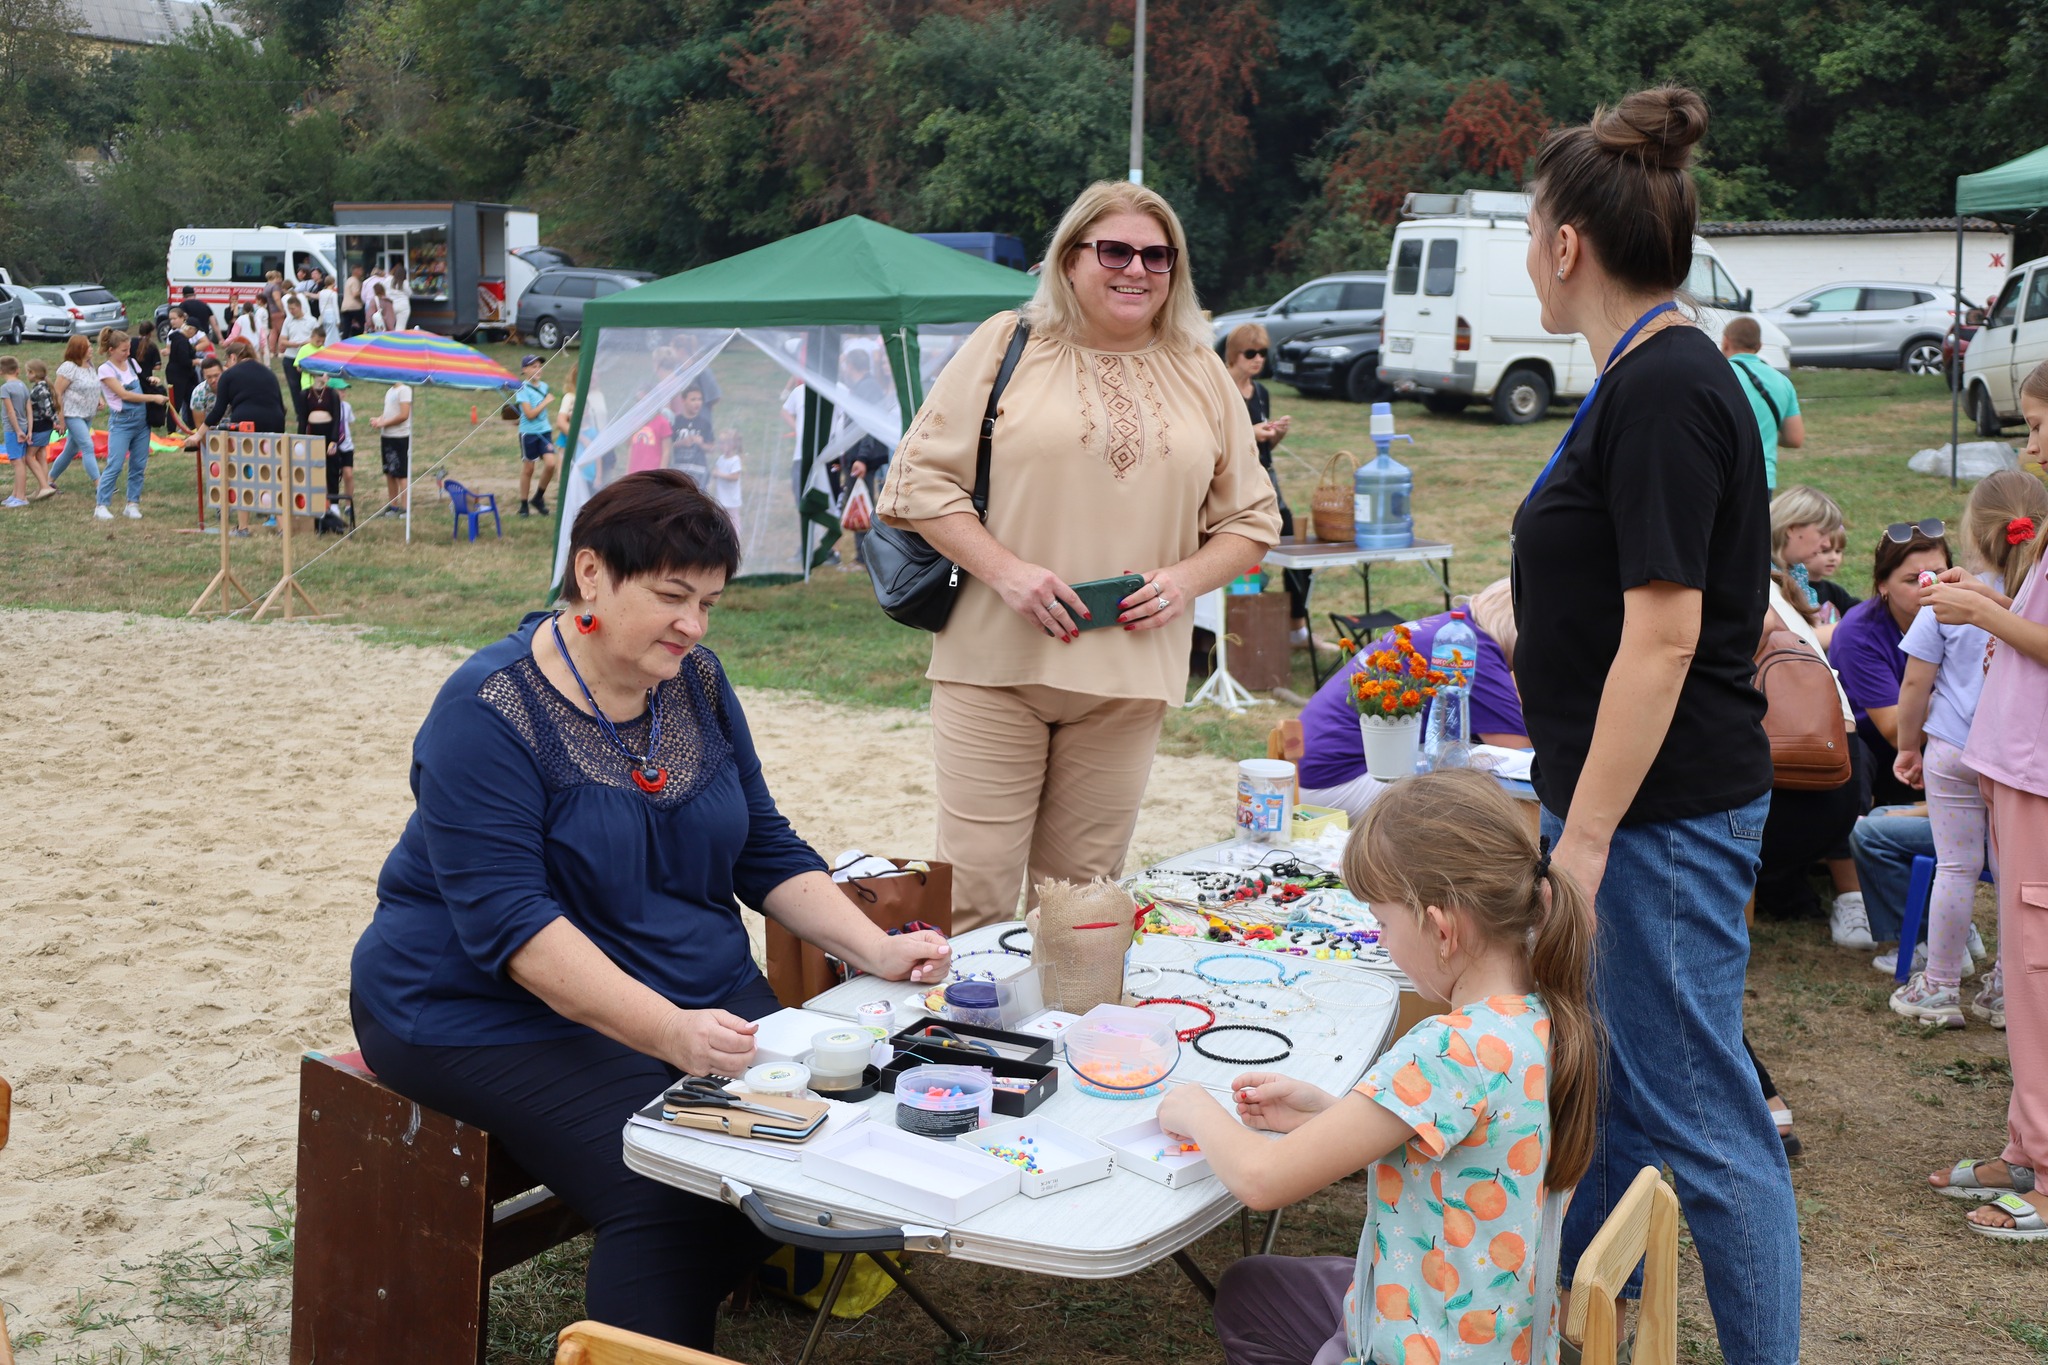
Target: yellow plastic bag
(801, 1274)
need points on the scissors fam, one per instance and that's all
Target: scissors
(701, 1093)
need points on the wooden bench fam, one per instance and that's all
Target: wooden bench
(404, 1215)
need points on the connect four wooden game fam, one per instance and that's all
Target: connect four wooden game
(267, 474)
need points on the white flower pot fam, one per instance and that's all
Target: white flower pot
(1391, 746)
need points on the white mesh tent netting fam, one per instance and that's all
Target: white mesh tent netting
(754, 374)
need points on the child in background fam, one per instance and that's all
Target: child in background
(1937, 701)
(2008, 750)
(42, 424)
(1835, 600)
(14, 427)
(727, 472)
(1467, 1121)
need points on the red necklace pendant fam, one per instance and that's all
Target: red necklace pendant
(650, 780)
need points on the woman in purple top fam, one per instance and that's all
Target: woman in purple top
(1865, 648)
(1333, 755)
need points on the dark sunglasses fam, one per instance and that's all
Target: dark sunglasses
(1902, 532)
(1258, 352)
(1117, 256)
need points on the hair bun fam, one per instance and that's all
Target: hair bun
(1658, 125)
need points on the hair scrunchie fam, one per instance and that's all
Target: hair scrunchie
(1542, 857)
(2019, 530)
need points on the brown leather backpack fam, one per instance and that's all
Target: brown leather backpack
(1803, 715)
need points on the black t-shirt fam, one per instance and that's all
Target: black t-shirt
(251, 391)
(180, 370)
(199, 313)
(1663, 482)
(1260, 405)
(312, 400)
(1833, 594)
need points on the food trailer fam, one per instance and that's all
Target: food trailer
(460, 269)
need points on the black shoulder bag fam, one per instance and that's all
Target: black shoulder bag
(914, 583)
(1762, 393)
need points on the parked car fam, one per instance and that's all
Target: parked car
(2012, 341)
(1463, 321)
(42, 320)
(13, 317)
(1956, 344)
(91, 306)
(1875, 325)
(1351, 299)
(1342, 360)
(544, 257)
(551, 308)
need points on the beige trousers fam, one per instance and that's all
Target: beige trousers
(1035, 780)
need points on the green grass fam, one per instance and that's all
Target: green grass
(827, 636)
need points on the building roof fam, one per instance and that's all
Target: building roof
(1829, 227)
(144, 23)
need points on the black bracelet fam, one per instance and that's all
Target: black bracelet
(1003, 941)
(1286, 1050)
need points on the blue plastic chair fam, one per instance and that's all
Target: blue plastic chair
(473, 506)
(1919, 892)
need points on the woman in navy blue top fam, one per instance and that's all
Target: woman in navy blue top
(557, 936)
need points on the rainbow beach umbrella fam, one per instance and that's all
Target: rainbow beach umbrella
(411, 357)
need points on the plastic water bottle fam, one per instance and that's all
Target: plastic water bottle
(1455, 654)
(1380, 491)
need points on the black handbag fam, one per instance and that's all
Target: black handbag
(915, 584)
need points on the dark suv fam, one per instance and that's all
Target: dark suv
(1342, 360)
(551, 309)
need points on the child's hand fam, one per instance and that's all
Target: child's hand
(1183, 1107)
(1906, 767)
(1277, 1103)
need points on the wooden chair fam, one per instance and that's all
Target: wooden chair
(6, 1116)
(1642, 1227)
(404, 1215)
(593, 1343)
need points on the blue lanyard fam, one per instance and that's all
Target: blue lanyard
(643, 764)
(1586, 403)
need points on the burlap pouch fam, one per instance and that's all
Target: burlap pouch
(1082, 933)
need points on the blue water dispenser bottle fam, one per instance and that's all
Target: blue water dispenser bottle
(1380, 491)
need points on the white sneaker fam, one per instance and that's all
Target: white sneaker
(102, 512)
(1921, 999)
(1849, 923)
(133, 511)
(1974, 945)
(14, 502)
(1888, 963)
(1990, 1002)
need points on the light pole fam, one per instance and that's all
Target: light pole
(1138, 98)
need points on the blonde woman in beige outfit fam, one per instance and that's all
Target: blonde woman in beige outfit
(1121, 446)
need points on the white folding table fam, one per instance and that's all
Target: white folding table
(1096, 1231)
(1295, 552)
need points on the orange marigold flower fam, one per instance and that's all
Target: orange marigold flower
(1387, 705)
(1411, 698)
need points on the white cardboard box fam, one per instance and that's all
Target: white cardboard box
(1139, 1148)
(946, 1182)
(1065, 1157)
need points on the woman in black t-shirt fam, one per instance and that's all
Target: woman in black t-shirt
(1244, 353)
(1640, 565)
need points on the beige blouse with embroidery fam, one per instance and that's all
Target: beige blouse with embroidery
(1104, 461)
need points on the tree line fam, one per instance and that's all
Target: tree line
(661, 134)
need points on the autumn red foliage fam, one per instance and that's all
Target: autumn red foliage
(1488, 130)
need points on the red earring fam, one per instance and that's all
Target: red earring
(586, 624)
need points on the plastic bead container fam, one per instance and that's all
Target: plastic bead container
(943, 1101)
(1117, 1053)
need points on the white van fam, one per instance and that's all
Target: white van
(2012, 341)
(227, 265)
(1462, 321)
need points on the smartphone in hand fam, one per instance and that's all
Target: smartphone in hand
(1104, 597)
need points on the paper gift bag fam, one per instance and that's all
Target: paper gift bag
(798, 971)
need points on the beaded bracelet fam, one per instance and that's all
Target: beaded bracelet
(1186, 1035)
(1286, 1045)
(1003, 941)
(1280, 976)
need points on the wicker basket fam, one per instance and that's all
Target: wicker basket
(1332, 504)
(1087, 963)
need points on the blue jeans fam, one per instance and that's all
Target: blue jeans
(1884, 847)
(77, 446)
(127, 437)
(1680, 1090)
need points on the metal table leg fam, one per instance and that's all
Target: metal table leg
(917, 1296)
(832, 1288)
(1194, 1274)
(1272, 1233)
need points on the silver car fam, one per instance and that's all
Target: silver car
(1353, 299)
(91, 306)
(1867, 324)
(13, 317)
(42, 319)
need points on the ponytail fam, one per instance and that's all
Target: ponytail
(108, 337)
(1454, 838)
(1561, 962)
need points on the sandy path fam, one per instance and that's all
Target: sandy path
(179, 910)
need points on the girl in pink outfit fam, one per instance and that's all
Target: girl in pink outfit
(2008, 749)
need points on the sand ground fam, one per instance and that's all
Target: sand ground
(211, 804)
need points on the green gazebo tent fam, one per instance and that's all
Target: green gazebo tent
(850, 284)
